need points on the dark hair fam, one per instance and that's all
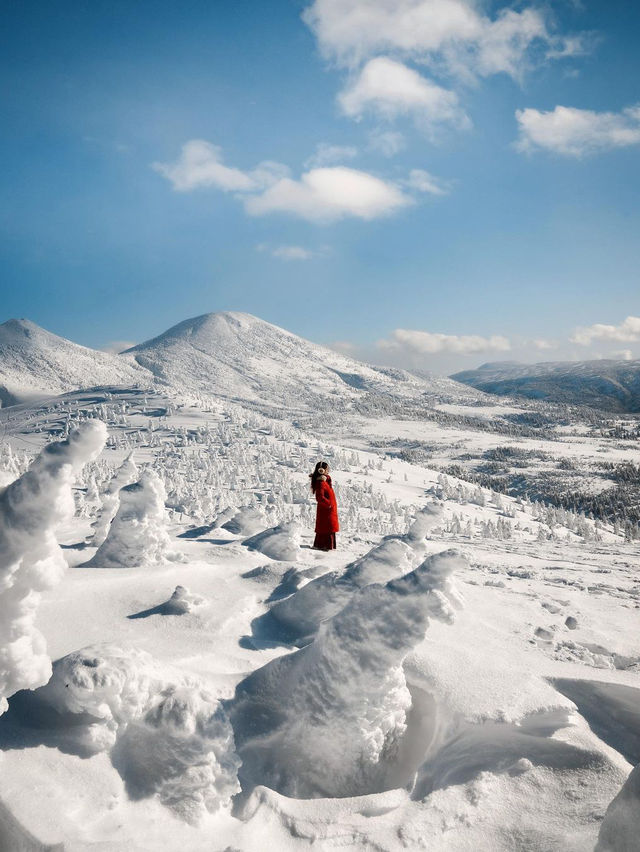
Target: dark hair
(321, 468)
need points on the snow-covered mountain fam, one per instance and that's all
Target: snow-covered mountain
(34, 363)
(608, 384)
(241, 357)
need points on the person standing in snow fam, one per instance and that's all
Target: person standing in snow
(327, 513)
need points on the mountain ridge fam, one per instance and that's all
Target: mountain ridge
(230, 354)
(604, 383)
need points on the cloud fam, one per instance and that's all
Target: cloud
(429, 343)
(577, 132)
(288, 252)
(423, 181)
(387, 142)
(451, 34)
(389, 89)
(200, 164)
(627, 332)
(328, 155)
(329, 194)
(543, 343)
(116, 346)
(322, 195)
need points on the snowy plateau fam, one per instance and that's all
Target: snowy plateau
(180, 670)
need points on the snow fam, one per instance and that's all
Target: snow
(35, 363)
(621, 825)
(340, 732)
(281, 543)
(229, 686)
(167, 738)
(125, 475)
(137, 537)
(31, 561)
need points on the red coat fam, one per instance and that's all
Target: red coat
(327, 514)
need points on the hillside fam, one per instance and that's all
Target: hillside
(243, 358)
(608, 384)
(35, 363)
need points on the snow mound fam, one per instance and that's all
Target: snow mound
(328, 720)
(124, 475)
(137, 537)
(31, 508)
(620, 829)
(183, 601)
(167, 736)
(281, 543)
(248, 520)
(302, 613)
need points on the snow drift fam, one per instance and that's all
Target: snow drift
(281, 543)
(620, 829)
(246, 521)
(31, 508)
(328, 720)
(302, 613)
(167, 736)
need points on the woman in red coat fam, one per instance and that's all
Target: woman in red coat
(327, 514)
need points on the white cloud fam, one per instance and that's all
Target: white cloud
(321, 195)
(288, 252)
(453, 34)
(423, 181)
(622, 355)
(627, 332)
(389, 89)
(429, 343)
(543, 343)
(576, 132)
(329, 194)
(387, 142)
(329, 155)
(200, 164)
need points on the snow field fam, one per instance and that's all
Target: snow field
(475, 737)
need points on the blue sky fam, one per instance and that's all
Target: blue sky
(434, 183)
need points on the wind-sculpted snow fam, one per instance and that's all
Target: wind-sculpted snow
(167, 736)
(124, 475)
(31, 508)
(137, 537)
(246, 521)
(302, 613)
(281, 543)
(620, 829)
(328, 720)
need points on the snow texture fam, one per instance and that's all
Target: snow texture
(183, 601)
(328, 720)
(302, 613)
(137, 537)
(620, 829)
(31, 508)
(248, 520)
(281, 543)
(36, 363)
(124, 475)
(167, 736)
